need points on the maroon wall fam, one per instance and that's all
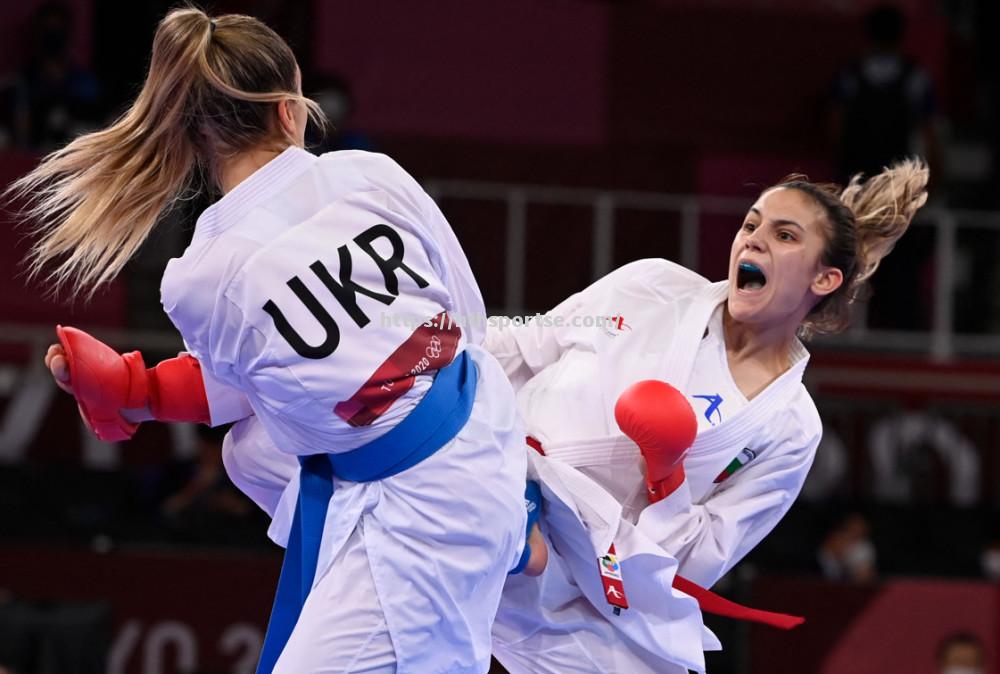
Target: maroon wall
(571, 73)
(894, 626)
(519, 70)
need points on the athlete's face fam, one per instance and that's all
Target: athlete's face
(776, 273)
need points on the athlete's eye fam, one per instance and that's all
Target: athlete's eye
(786, 236)
(749, 226)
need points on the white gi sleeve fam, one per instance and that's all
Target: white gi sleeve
(255, 465)
(214, 332)
(225, 403)
(526, 349)
(709, 538)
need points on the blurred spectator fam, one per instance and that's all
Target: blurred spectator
(207, 507)
(884, 101)
(847, 553)
(333, 94)
(44, 637)
(989, 561)
(51, 99)
(961, 653)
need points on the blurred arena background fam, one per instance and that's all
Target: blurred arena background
(562, 138)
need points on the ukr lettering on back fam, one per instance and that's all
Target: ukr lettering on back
(345, 291)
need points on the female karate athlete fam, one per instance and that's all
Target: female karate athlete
(403, 510)
(733, 348)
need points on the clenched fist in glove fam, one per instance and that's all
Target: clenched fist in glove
(659, 419)
(115, 390)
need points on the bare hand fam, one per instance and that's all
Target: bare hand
(55, 360)
(539, 553)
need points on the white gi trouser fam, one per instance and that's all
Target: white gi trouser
(417, 560)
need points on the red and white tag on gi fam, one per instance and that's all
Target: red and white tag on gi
(611, 578)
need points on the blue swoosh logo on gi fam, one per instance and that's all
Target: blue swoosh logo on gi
(714, 403)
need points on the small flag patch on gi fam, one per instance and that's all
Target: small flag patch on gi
(611, 578)
(743, 458)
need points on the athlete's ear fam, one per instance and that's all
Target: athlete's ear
(826, 281)
(286, 118)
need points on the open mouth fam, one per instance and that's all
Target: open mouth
(749, 277)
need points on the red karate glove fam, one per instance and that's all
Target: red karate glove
(105, 382)
(659, 419)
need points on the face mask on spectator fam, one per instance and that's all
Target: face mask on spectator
(990, 562)
(860, 555)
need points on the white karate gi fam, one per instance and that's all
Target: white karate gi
(281, 297)
(568, 378)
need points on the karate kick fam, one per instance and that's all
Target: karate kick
(733, 348)
(402, 462)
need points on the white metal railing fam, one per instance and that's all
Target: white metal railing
(941, 342)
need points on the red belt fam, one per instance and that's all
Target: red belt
(708, 601)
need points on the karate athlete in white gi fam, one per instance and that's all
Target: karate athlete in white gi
(796, 264)
(403, 469)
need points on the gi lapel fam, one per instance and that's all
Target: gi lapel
(676, 367)
(718, 447)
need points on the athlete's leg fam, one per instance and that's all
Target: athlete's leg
(341, 629)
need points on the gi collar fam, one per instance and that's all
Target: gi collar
(257, 189)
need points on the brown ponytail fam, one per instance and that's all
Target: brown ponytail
(210, 93)
(865, 221)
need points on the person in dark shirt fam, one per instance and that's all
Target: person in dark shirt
(883, 101)
(883, 110)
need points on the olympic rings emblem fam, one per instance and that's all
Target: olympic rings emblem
(434, 349)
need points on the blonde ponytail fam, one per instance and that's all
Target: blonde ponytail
(883, 208)
(209, 93)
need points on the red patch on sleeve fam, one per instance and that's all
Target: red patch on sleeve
(431, 347)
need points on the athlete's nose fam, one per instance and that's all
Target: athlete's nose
(755, 240)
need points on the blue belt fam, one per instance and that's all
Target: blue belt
(435, 420)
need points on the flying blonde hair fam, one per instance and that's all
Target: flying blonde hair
(883, 207)
(210, 93)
